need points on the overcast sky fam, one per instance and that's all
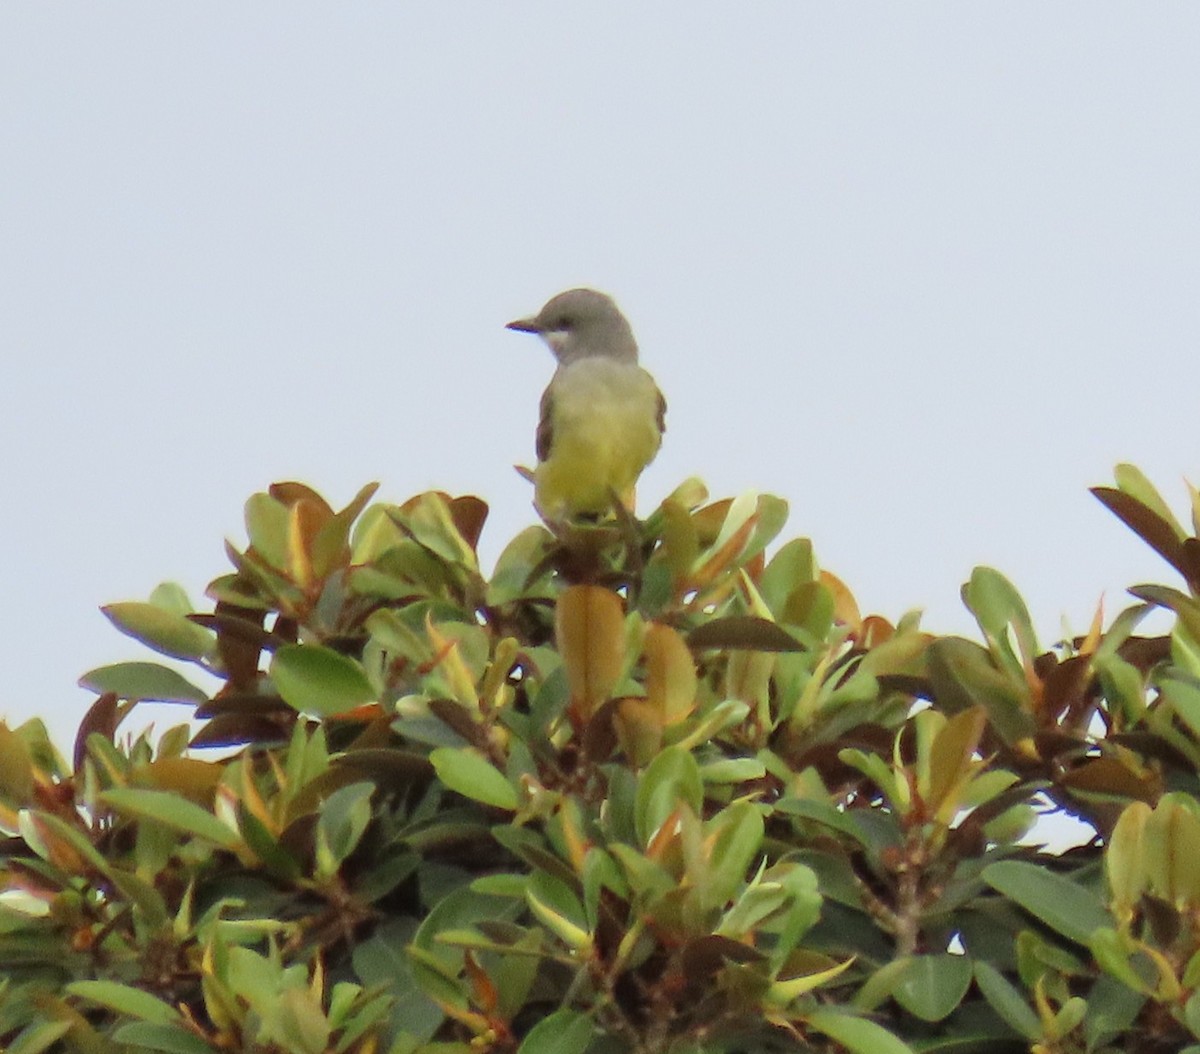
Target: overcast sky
(925, 270)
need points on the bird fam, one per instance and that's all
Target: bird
(602, 415)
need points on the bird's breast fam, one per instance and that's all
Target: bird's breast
(605, 404)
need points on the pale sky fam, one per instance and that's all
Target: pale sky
(927, 271)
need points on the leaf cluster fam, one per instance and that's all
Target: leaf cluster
(645, 788)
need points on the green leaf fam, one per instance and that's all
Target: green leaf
(563, 1032)
(267, 523)
(856, 1033)
(1112, 953)
(465, 770)
(1184, 606)
(997, 607)
(427, 518)
(1125, 859)
(123, 999)
(1183, 696)
(1171, 844)
(963, 675)
(177, 813)
(39, 1037)
(738, 831)
(791, 566)
(931, 986)
(802, 914)
(313, 679)
(294, 1021)
(556, 908)
(511, 578)
(671, 779)
(165, 631)
(1063, 905)
(345, 815)
(140, 681)
(1007, 1001)
(381, 961)
(788, 989)
(824, 813)
(732, 770)
(168, 1038)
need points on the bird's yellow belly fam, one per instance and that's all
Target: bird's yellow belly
(605, 418)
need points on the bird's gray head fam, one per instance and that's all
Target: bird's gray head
(580, 324)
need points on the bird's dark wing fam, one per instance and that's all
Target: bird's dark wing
(662, 413)
(545, 430)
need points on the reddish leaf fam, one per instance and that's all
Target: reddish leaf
(1151, 528)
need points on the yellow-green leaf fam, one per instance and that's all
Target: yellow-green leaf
(125, 999)
(317, 680)
(167, 632)
(142, 681)
(465, 770)
(177, 813)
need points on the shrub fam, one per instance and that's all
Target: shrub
(645, 789)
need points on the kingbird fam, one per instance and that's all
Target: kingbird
(602, 415)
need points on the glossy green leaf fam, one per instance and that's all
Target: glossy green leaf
(1112, 1008)
(382, 961)
(344, 817)
(736, 835)
(999, 609)
(1063, 905)
(164, 631)
(123, 999)
(40, 1036)
(1171, 847)
(142, 681)
(170, 1039)
(511, 578)
(1185, 607)
(1183, 696)
(757, 902)
(932, 986)
(313, 679)
(801, 914)
(563, 1032)
(427, 518)
(1007, 1001)
(177, 813)
(267, 527)
(856, 1034)
(557, 908)
(963, 675)
(823, 813)
(784, 991)
(1112, 952)
(333, 536)
(465, 770)
(732, 770)
(791, 566)
(670, 780)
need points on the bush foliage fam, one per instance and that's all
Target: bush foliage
(646, 789)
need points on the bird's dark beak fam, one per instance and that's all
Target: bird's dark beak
(525, 325)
